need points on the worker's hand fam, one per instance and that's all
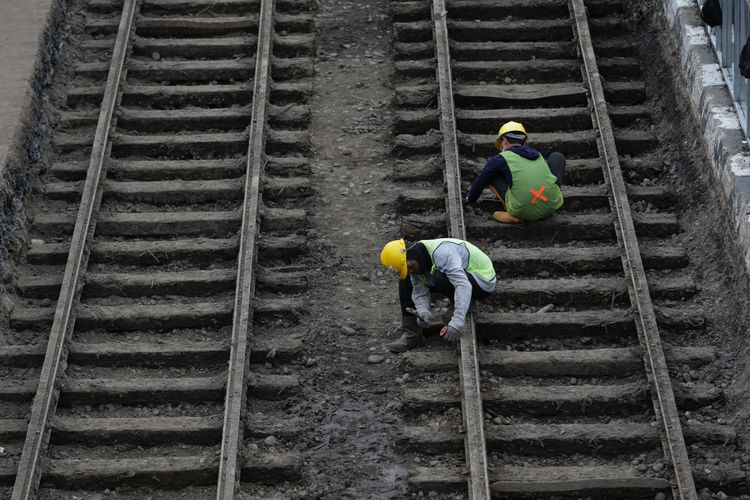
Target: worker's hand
(450, 334)
(473, 207)
(423, 319)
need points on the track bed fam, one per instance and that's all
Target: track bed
(568, 403)
(197, 210)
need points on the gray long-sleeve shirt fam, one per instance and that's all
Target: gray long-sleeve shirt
(451, 259)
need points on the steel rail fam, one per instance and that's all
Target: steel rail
(673, 441)
(242, 321)
(471, 402)
(55, 359)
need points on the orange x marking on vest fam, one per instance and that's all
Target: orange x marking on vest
(537, 195)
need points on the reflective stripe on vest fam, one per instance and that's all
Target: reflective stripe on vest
(535, 193)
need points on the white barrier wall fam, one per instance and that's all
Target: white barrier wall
(713, 105)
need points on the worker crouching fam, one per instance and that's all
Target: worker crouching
(526, 184)
(451, 267)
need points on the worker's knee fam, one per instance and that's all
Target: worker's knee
(556, 162)
(556, 158)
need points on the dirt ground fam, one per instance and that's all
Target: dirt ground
(351, 396)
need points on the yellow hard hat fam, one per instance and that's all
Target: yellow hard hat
(394, 256)
(515, 130)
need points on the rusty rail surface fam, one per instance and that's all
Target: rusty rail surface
(673, 441)
(242, 321)
(55, 360)
(471, 402)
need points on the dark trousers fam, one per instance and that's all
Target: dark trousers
(441, 286)
(556, 162)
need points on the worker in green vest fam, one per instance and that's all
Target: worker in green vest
(451, 267)
(526, 184)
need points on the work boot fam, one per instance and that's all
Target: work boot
(411, 336)
(506, 218)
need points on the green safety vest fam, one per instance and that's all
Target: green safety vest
(479, 263)
(534, 194)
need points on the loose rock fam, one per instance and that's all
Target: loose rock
(375, 359)
(546, 308)
(7, 304)
(271, 441)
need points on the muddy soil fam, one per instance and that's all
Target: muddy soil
(350, 401)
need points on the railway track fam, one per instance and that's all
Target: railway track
(162, 258)
(593, 396)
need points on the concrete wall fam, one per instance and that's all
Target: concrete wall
(713, 108)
